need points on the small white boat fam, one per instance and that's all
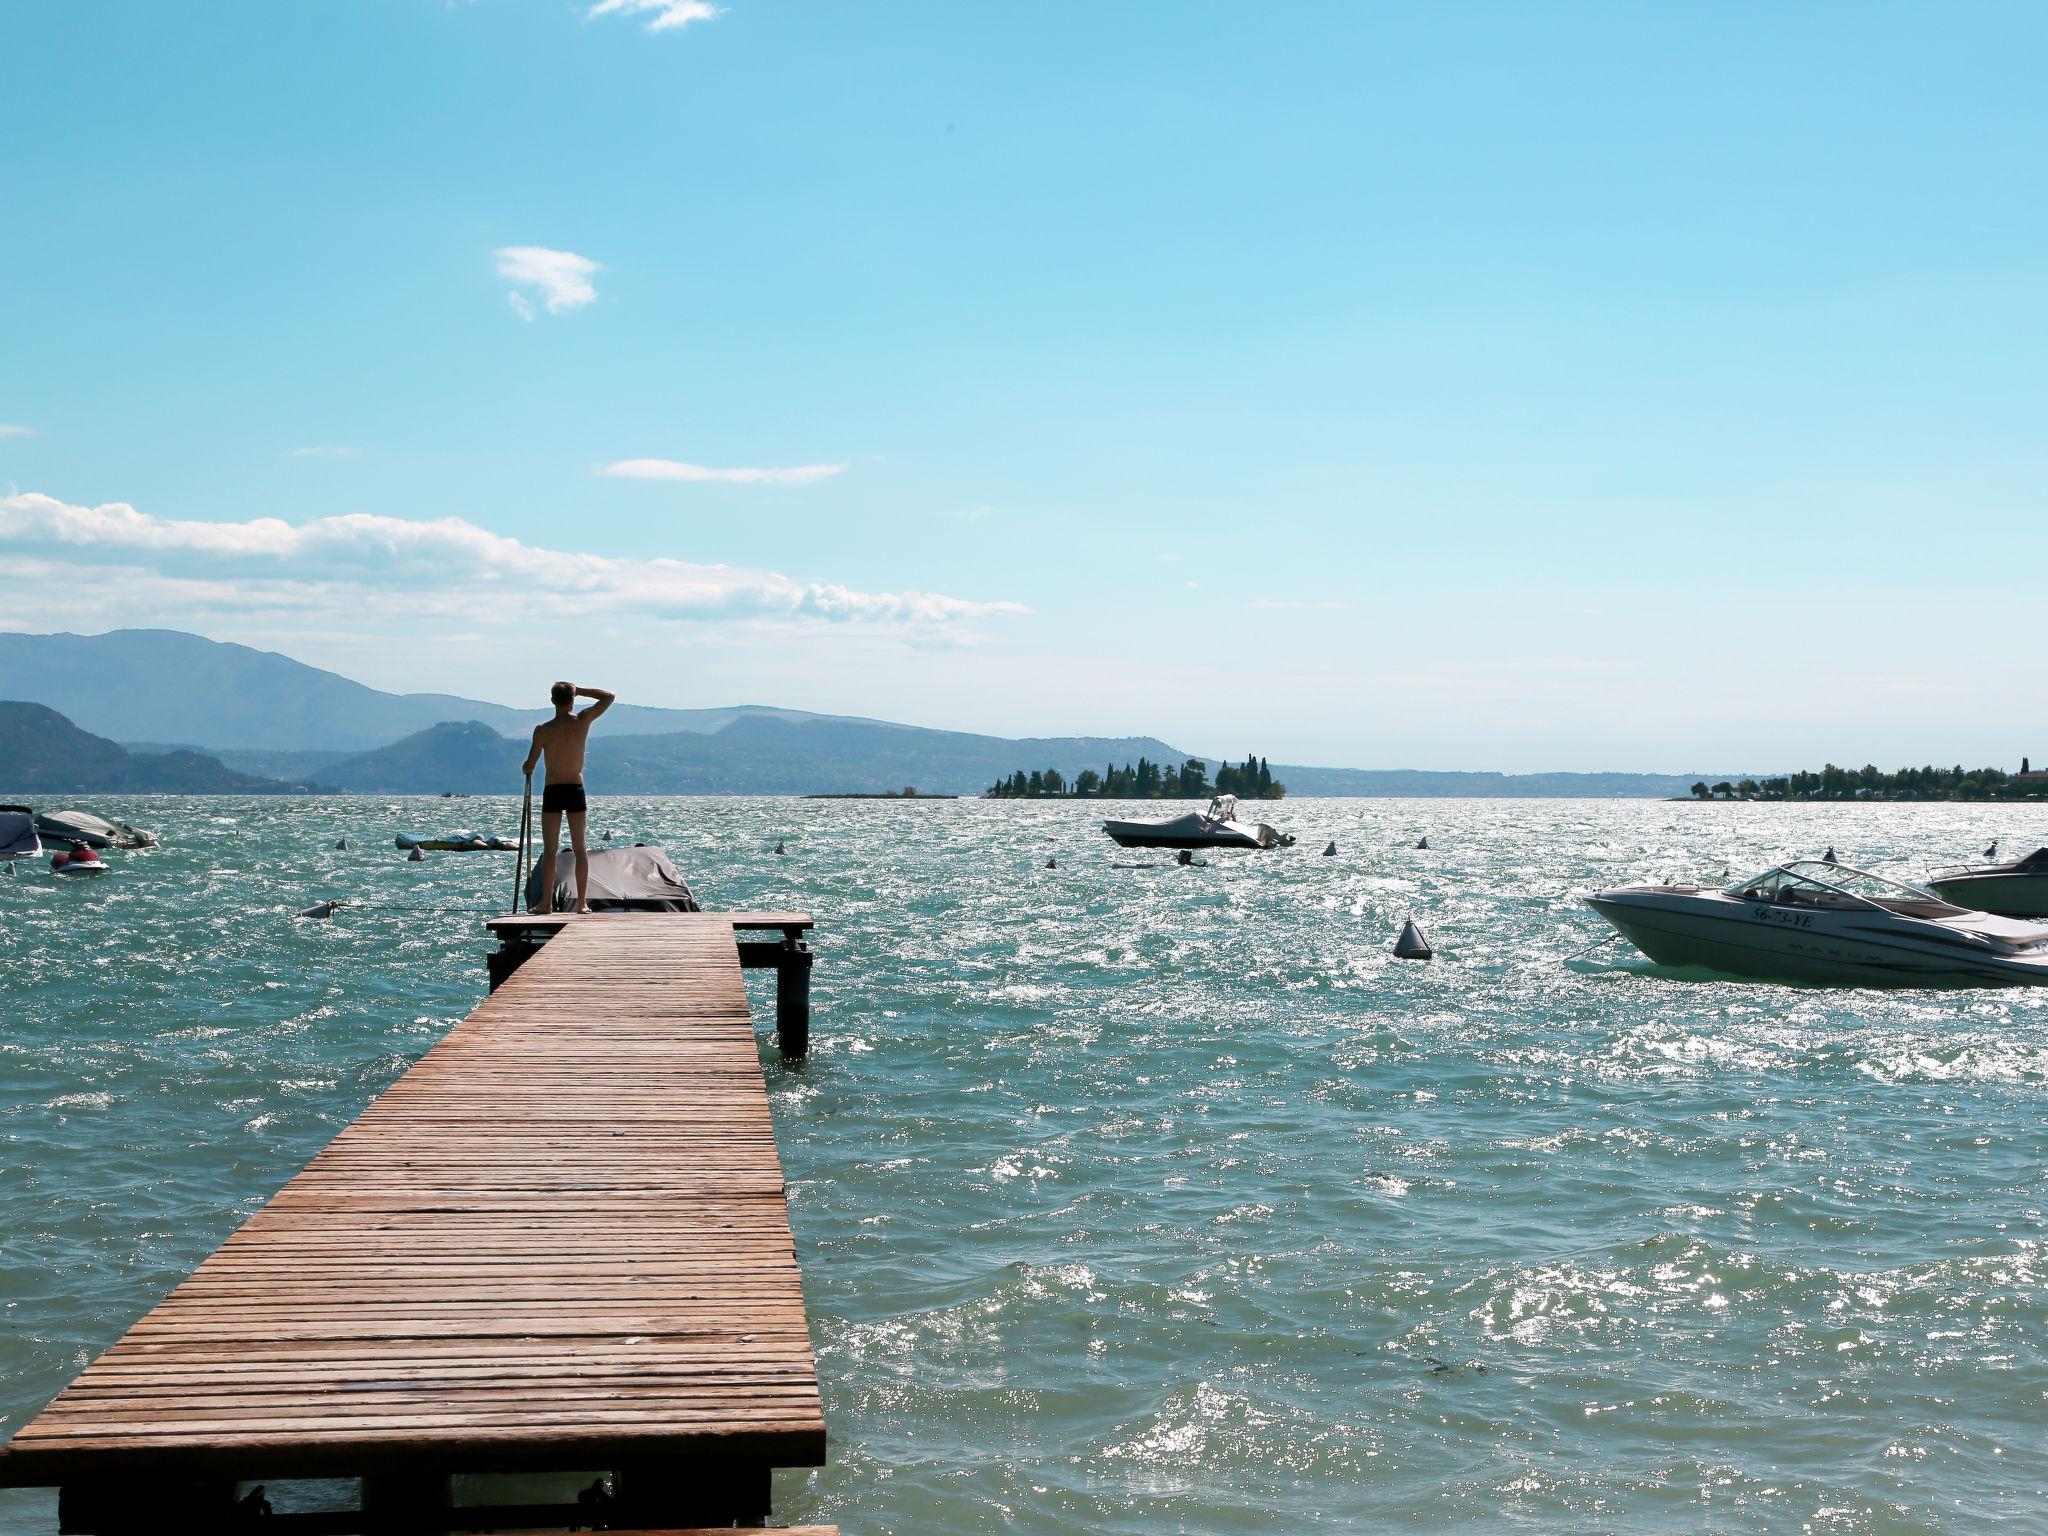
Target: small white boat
(96, 831)
(2017, 889)
(1219, 828)
(1829, 924)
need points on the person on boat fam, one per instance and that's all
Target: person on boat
(562, 741)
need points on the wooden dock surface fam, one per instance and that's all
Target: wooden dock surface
(558, 1242)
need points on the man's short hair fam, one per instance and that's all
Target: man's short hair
(562, 693)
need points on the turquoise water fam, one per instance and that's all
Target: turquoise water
(1164, 1200)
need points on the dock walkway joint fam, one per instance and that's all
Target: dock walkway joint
(559, 1242)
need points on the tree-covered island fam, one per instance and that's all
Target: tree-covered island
(1871, 783)
(1147, 780)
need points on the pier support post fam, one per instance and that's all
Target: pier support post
(407, 1501)
(660, 1496)
(117, 1508)
(793, 998)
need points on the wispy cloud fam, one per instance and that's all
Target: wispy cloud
(560, 280)
(675, 469)
(9, 429)
(1290, 603)
(447, 564)
(325, 453)
(664, 15)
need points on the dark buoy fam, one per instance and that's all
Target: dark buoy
(1412, 945)
(417, 856)
(1330, 852)
(1992, 851)
(780, 849)
(341, 846)
(1829, 857)
(320, 909)
(1423, 844)
(1052, 863)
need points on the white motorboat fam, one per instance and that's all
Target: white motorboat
(1830, 924)
(2017, 889)
(1218, 828)
(18, 838)
(94, 831)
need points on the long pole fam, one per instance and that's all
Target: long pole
(525, 832)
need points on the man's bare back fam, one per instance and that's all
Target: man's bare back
(562, 742)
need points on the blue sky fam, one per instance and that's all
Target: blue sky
(1479, 385)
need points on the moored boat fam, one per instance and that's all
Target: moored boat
(1831, 925)
(2015, 889)
(1218, 828)
(458, 842)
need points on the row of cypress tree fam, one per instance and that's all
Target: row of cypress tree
(1145, 780)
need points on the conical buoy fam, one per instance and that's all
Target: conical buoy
(1052, 863)
(1829, 857)
(1992, 851)
(1412, 945)
(1330, 852)
(780, 849)
(1423, 844)
(417, 856)
(341, 845)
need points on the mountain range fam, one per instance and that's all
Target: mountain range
(270, 719)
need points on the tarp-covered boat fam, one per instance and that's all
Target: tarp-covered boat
(1219, 828)
(636, 879)
(93, 831)
(459, 842)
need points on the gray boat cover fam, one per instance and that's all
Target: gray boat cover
(95, 831)
(636, 879)
(18, 836)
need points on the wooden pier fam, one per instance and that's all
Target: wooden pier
(559, 1243)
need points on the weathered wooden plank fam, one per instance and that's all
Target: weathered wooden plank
(559, 1240)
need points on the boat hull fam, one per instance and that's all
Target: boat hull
(2007, 895)
(1848, 948)
(1139, 834)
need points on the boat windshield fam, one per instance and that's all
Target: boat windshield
(1223, 808)
(1815, 882)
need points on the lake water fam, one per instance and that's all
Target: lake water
(1166, 1200)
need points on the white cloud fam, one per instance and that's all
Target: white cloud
(675, 469)
(446, 566)
(668, 15)
(8, 429)
(326, 453)
(559, 279)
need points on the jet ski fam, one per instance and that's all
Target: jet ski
(81, 860)
(459, 842)
(1828, 924)
(1218, 828)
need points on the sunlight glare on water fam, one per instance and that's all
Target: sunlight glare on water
(1161, 1199)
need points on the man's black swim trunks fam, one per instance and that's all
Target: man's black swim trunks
(563, 797)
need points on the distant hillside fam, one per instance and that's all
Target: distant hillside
(41, 752)
(753, 755)
(162, 685)
(1498, 786)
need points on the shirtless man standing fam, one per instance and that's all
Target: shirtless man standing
(562, 740)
